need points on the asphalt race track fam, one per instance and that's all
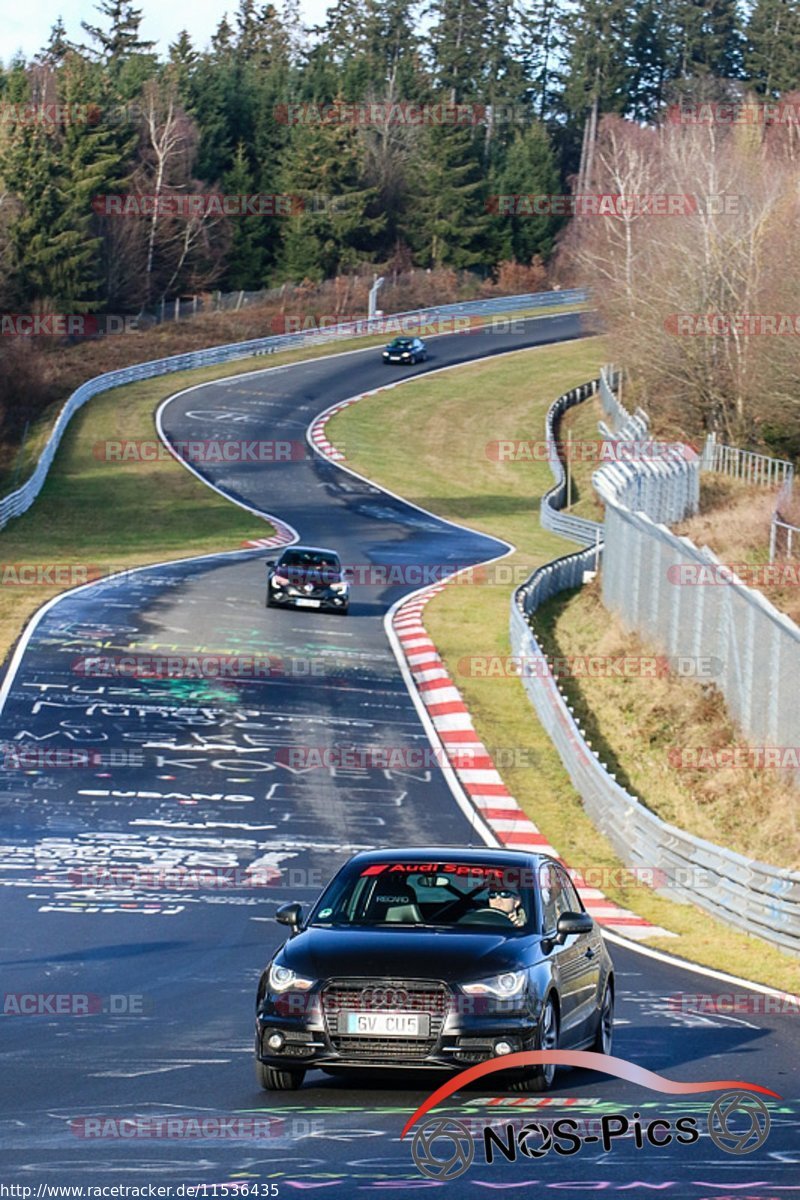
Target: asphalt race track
(129, 920)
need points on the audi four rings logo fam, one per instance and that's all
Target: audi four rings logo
(384, 997)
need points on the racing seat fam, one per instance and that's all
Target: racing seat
(393, 902)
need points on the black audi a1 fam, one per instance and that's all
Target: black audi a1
(434, 958)
(307, 577)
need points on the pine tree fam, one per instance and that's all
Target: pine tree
(458, 38)
(120, 49)
(338, 223)
(530, 169)
(183, 59)
(507, 91)
(96, 159)
(246, 255)
(122, 38)
(450, 225)
(541, 26)
(52, 264)
(57, 48)
(705, 36)
(772, 47)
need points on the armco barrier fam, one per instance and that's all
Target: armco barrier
(578, 529)
(654, 580)
(20, 500)
(752, 896)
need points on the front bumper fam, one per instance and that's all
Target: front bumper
(462, 1031)
(295, 598)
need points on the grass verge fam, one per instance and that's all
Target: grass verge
(427, 442)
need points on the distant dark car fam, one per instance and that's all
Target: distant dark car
(434, 958)
(307, 577)
(405, 350)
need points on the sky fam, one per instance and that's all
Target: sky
(28, 28)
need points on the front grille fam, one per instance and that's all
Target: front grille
(404, 995)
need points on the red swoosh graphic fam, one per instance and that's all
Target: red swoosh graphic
(582, 1058)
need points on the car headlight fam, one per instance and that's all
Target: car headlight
(338, 587)
(281, 979)
(406, 354)
(279, 581)
(510, 983)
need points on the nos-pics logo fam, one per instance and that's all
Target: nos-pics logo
(444, 1148)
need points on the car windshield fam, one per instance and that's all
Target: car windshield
(401, 344)
(458, 896)
(309, 560)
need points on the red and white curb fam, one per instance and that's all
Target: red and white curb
(317, 430)
(475, 769)
(284, 535)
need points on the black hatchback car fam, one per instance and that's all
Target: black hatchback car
(307, 577)
(405, 350)
(434, 958)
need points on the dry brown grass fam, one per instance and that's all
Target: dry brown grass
(734, 522)
(642, 728)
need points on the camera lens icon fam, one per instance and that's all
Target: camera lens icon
(443, 1148)
(738, 1122)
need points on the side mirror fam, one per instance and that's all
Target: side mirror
(271, 562)
(290, 914)
(573, 922)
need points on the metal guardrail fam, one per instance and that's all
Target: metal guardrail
(578, 529)
(686, 601)
(754, 896)
(758, 469)
(661, 479)
(20, 500)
